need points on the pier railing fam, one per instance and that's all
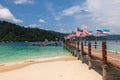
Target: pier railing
(82, 49)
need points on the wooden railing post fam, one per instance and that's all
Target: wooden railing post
(78, 50)
(82, 50)
(95, 44)
(89, 53)
(78, 45)
(104, 55)
(75, 49)
(85, 42)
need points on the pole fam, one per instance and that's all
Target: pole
(78, 50)
(104, 55)
(89, 53)
(82, 50)
(75, 49)
(95, 44)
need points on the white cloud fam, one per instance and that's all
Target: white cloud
(5, 14)
(23, 1)
(72, 10)
(105, 12)
(99, 13)
(62, 30)
(41, 21)
(33, 25)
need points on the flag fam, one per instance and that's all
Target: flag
(71, 35)
(91, 33)
(87, 33)
(103, 31)
(79, 32)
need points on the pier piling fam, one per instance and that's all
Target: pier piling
(107, 58)
(95, 44)
(89, 53)
(104, 55)
(82, 52)
(78, 50)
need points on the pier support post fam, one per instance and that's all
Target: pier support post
(95, 44)
(89, 53)
(85, 42)
(104, 72)
(75, 52)
(75, 47)
(78, 50)
(82, 50)
(104, 55)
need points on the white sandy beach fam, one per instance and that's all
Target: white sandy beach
(57, 68)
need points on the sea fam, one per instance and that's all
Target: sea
(112, 45)
(20, 51)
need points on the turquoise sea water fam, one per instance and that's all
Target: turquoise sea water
(11, 52)
(112, 46)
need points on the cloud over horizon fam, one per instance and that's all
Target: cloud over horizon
(48, 14)
(104, 11)
(96, 13)
(5, 14)
(23, 1)
(72, 10)
(41, 21)
(33, 25)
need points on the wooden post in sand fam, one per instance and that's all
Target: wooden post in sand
(89, 53)
(104, 55)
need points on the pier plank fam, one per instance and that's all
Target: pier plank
(112, 57)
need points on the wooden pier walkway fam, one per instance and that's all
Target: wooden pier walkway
(81, 50)
(112, 58)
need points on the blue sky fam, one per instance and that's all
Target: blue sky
(63, 15)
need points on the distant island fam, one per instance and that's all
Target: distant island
(16, 33)
(12, 32)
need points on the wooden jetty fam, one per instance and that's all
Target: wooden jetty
(82, 50)
(48, 43)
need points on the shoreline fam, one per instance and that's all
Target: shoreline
(54, 68)
(10, 66)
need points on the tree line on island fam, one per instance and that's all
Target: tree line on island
(12, 32)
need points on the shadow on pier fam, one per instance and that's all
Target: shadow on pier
(113, 73)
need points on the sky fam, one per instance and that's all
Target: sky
(63, 15)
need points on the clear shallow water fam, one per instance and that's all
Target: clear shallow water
(14, 52)
(113, 46)
(11, 52)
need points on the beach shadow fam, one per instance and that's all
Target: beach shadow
(113, 72)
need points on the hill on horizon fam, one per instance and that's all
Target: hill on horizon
(12, 32)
